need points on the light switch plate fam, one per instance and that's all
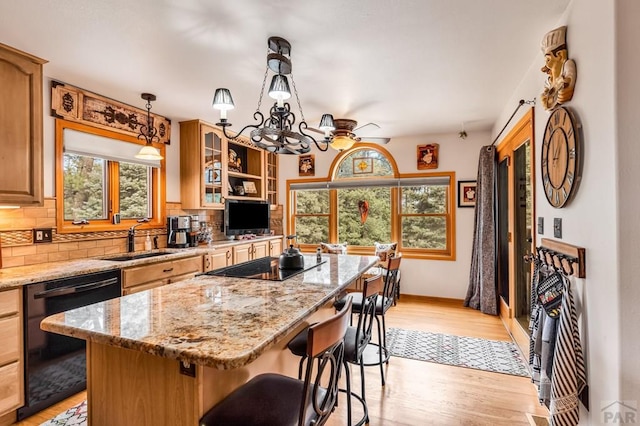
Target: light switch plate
(557, 227)
(540, 225)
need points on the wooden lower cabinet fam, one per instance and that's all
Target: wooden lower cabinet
(275, 247)
(217, 259)
(250, 251)
(146, 277)
(11, 362)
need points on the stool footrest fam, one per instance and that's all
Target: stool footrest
(365, 417)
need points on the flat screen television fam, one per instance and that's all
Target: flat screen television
(246, 217)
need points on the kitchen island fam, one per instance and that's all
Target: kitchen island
(166, 355)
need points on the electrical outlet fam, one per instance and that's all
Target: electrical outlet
(540, 225)
(43, 235)
(557, 227)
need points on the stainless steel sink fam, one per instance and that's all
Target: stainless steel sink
(134, 256)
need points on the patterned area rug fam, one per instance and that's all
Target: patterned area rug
(469, 352)
(76, 416)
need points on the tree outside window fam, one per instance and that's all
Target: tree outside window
(379, 206)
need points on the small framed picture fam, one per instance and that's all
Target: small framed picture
(249, 187)
(428, 156)
(307, 165)
(362, 165)
(467, 193)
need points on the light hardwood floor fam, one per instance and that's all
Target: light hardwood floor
(423, 393)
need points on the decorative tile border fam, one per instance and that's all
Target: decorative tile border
(17, 237)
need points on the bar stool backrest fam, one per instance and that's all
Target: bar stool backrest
(390, 282)
(366, 316)
(325, 348)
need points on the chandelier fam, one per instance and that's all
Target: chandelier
(149, 134)
(276, 133)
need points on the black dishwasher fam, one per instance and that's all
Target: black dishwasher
(55, 365)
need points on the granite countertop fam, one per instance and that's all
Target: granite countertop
(22, 275)
(214, 321)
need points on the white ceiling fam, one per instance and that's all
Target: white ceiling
(412, 66)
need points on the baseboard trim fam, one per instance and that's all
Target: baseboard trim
(420, 298)
(8, 419)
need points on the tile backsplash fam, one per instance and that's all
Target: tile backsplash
(18, 249)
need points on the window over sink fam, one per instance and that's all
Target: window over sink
(100, 185)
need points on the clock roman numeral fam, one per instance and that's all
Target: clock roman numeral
(556, 119)
(544, 163)
(564, 192)
(557, 197)
(564, 118)
(570, 178)
(572, 153)
(570, 133)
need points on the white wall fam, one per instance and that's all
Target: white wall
(422, 277)
(627, 33)
(590, 220)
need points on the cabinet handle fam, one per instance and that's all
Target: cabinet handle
(207, 262)
(167, 270)
(228, 254)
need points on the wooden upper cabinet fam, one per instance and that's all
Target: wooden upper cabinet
(202, 154)
(21, 114)
(213, 168)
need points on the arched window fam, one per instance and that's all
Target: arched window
(365, 200)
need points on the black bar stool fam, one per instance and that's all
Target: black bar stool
(380, 355)
(277, 400)
(356, 340)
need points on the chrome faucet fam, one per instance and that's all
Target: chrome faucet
(132, 235)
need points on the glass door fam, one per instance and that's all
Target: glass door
(212, 169)
(503, 230)
(515, 231)
(523, 219)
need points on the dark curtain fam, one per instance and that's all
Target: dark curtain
(482, 293)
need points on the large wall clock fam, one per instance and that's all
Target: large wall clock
(560, 157)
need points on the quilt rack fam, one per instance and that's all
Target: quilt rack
(560, 255)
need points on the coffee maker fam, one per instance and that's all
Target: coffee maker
(178, 231)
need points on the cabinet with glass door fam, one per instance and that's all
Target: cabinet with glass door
(272, 178)
(213, 168)
(202, 175)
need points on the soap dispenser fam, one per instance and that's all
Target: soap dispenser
(147, 242)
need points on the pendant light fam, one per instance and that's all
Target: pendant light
(149, 134)
(275, 132)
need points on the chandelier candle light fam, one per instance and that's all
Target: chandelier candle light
(149, 134)
(276, 133)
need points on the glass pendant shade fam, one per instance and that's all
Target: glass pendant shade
(342, 142)
(279, 88)
(149, 152)
(222, 100)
